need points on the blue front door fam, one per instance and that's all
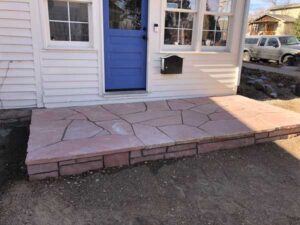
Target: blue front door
(125, 44)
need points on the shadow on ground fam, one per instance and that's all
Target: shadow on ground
(253, 185)
(12, 153)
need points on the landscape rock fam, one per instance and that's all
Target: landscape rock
(293, 88)
(280, 85)
(269, 90)
(297, 90)
(259, 84)
(274, 95)
(264, 78)
(250, 82)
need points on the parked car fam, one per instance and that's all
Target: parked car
(282, 49)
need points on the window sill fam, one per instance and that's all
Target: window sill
(69, 48)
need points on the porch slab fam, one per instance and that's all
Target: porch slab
(74, 140)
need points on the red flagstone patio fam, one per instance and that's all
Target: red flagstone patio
(69, 141)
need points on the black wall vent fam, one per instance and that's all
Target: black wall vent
(171, 64)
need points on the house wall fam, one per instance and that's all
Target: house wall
(285, 28)
(205, 73)
(280, 28)
(289, 28)
(293, 12)
(57, 76)
(18, 83)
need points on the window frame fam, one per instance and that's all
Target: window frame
(260, 42)
(196, 11)
(69, 44)
(272, 38)
(197, 36)
(230, 16)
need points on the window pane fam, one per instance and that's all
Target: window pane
(181, 4)
(185, 37)
(178, 37)
(58, 10)
(273, 42)
(214, 38)
(209, 22)
(263, 42)
(79, 32)
(219, 5)
(208, 38)
(251, 41)
(59, 31)
(223, 23)
(174, 4)
(186, 20)
(79, 12)
(171, 37)
(221, 39)
(125, 14)
(189, 4)
(216, 23)
(172, 19)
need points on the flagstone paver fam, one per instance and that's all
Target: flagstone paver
(79, 129)
(46, 133)
(123, 109)
(119, 127)
(146, 116)
(194, 119)
(76, 139)
(225, 127)
(151, 136)
(180, 104)
(184, 133)
(96, 113)
(157, 106)
(165, 121)
(207, 109)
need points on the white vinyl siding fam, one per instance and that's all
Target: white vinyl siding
(69, 76)
(17, 69)
(42, 76)
(204, 73)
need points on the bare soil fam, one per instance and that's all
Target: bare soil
(282, 85)
(257, 185)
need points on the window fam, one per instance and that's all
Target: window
(216, 23)
(251, 41)
(125, 16)
(68, 21)
(273, 42)
(179, 22)
(255, 27)
(289, 40)
(262, 42)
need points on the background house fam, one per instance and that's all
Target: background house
(279, 20)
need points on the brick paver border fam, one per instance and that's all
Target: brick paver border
(81, 165)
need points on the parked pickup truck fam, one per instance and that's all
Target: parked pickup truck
(282, 49)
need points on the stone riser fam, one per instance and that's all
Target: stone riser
(79, 166)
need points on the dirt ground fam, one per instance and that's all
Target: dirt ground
(258, 185)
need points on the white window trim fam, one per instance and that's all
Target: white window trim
(230, 15)
(196, 46)
(67, 44)
(191, 47)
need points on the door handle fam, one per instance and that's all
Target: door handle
(145, 37)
